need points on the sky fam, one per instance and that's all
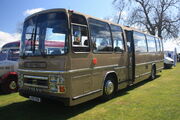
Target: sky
(13, 12)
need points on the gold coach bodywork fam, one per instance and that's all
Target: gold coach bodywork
(81, 75)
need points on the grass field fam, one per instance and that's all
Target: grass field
(149, 100)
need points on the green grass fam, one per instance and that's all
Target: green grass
(149, 100)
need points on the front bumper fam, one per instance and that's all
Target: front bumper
(27, 92)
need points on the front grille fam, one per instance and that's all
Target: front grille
(36, 82)
(35, 65)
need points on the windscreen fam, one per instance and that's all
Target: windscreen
(45, 34)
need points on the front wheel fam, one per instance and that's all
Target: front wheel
(10, 85)
(153, 73)
(109, 88)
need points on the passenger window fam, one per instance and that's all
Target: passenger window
(151, 43)
(100, 36)
(80, 41)
(140, 42)
(117, 38)
(79, 36)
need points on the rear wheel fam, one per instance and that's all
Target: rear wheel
(10, 85)
(109, 88)
(153, 73)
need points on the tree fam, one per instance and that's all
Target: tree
(120, 7)
(158, 17)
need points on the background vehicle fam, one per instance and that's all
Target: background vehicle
(168, 62)
(8, 67)
(73, 58)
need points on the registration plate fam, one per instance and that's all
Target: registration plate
(36, 99)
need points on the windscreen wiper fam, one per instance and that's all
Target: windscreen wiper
(32, 36)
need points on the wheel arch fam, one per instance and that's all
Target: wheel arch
(9, 75)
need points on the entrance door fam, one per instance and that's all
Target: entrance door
(131, 55)
(80, 57)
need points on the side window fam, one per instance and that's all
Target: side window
(79, 30)
(151, 43)
(117, 38)
(158, 45)
(100, 36)
(140, 42)
(79, 36)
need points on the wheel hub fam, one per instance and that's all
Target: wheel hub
(12, 85)
(109, 87)
(153, 74)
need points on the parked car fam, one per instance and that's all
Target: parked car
(8, 68)
(168, 62)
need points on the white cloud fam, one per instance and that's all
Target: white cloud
(170, 45)
(32, 11)
(7, 37)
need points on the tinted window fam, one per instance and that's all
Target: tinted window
(100, 36)
(79, 19)
(139, 42)
(151, 43)
(80, 41)
(117, 38)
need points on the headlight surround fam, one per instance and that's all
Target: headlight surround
(20, 80)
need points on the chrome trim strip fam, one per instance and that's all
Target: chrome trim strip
(86, 75)
(40, 71)
(36, 77)
(38, 86)
(149, 62)
(78, 70)
(143, 74)
(120, 67)
(69, 71)
(143, 63)
(160, 68)
(80, 52)
(99, 67)
(79, 96)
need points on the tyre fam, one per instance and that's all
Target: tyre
(153, 73)
(9, 86)
(109, 88)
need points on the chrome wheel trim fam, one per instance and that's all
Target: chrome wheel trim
(109, 87)
(12, 85)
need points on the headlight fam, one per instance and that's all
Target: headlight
(55, 83)
(60, 80)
